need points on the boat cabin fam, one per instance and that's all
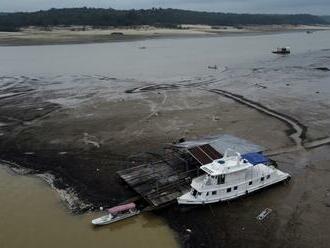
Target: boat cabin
(230, 177)
(130, 207)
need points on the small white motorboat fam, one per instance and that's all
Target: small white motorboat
(117, 213)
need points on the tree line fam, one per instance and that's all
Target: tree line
(154, 17)
(326, 18)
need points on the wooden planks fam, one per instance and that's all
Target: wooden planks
(158, 183)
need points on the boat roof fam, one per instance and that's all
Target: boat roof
(222, 142)
(121, 208)
(255, 158)
(229, 165)
(211, 148)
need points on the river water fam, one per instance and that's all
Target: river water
(162, 58)
(32, 215)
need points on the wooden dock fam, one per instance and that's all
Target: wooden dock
(161, 182)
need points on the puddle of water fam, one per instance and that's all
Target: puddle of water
(31, 215)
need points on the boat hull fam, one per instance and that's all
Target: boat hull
(280, 52)
(105, 221)
(186, 199)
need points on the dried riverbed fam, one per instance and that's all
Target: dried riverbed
(83, 128)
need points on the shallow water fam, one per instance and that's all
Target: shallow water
(31, 215)
(162, 58)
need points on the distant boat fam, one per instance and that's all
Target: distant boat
(116, 214)
(281, 50)
(214, 67)
(232, 176)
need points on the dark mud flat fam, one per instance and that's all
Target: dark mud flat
(84, 146)
(84, 129)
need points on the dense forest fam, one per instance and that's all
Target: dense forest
(326, 18)
(154, 16)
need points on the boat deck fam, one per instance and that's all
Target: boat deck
(159, 183)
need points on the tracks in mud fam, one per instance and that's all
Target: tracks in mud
(297, 129)
(306, 145)
(173, 86)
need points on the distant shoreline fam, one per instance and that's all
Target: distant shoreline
(84, 34)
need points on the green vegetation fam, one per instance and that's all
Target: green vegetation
(155, 17)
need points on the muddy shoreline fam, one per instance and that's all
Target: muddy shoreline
(90, 169)
(95, 192)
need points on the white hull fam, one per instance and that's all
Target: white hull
(232, 177)
(190, 201)
(108, 219)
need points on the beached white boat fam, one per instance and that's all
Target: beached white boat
(232, 176)
(282, 50)
(117, 213)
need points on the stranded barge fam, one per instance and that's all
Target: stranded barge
(162, 182)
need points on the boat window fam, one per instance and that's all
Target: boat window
(261, 179)
(221, 179)
(268, 176)
(194, 193)
(207, 180)
(199, 193)
(250, 183)
(235, 188)
(214, 192)
(228, 190)
(207, 193)
(221, 162)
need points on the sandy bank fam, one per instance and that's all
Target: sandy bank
(79, 34)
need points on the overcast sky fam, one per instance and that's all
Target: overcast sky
(238, 6)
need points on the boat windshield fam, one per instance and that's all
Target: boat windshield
(106, 217)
